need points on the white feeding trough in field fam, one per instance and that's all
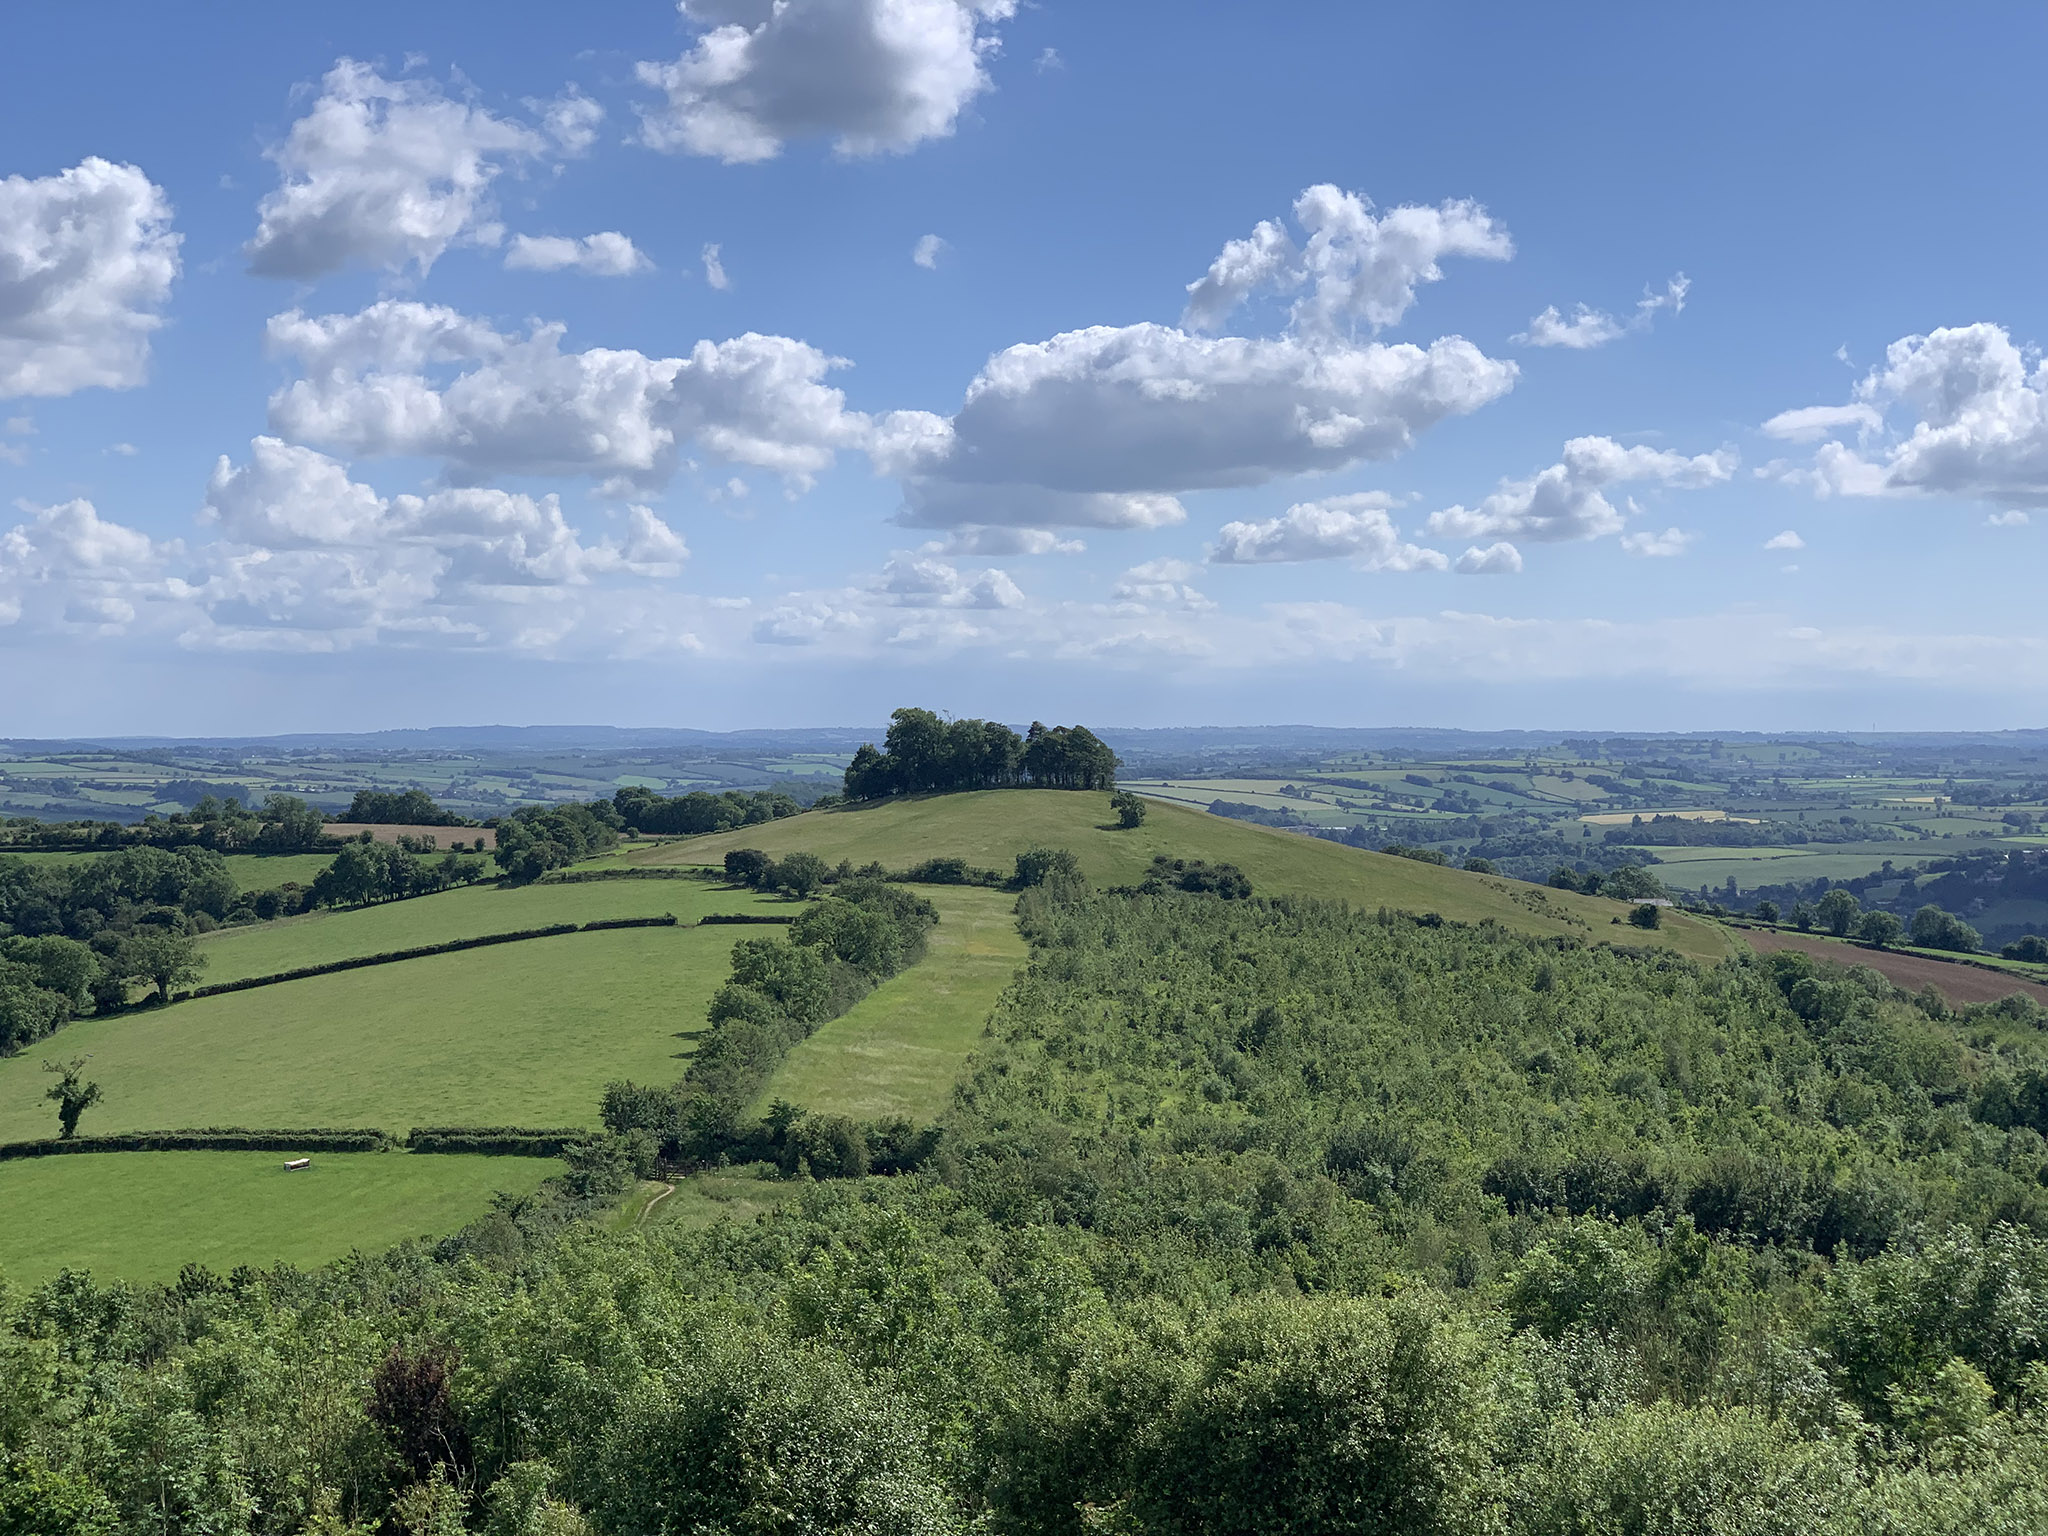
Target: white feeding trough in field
(298, 1162)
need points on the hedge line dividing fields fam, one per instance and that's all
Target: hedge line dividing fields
(474, 1140)
(299, 943)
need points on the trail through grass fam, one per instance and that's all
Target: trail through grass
(142, 1215)
(899, 1050)
(524, 1034)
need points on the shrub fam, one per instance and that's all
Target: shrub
(2030, 947)
(1129, 809)
(1647, 915)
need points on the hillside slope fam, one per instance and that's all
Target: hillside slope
(991, 827)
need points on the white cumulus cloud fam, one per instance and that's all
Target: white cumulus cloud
(714, 269)
(1588, 327)
(1648, 545)
(1103, 427)
(1352, 267)
(403, 378)
(2012, 519)
(1566, 501)
(1159, 583)
(927, 251)
(607, 254)
(383, 173)
(875, 76)
(1979, 428)
(916, 581)
(972, 540)
(1501, 559)
(570, 119)
(1335, 528)
(1789, 539)
(1100, 427)
(87, 258)
(68, 568)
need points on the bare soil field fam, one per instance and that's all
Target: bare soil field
(444, 837)
(1958, 983)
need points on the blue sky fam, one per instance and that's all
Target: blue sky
(775, 364)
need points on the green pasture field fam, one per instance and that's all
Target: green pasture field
(899, 1050)
(1688, 868)
(991, 827)
(1575, 789)
(251, 871)
(264, 949)
(516, 1034)
(143, 1215)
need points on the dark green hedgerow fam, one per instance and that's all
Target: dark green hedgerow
(213, 1139)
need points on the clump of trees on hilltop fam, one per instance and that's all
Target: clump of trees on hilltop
(923, 754)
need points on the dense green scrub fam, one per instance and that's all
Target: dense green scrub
(1251, 1216)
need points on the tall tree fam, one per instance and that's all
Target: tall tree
(72, 1095)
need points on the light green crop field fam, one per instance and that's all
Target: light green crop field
(251, 871)
(515, 1034)
(143, 1215)
(265, 949)
(899, 1050)
(991, 827)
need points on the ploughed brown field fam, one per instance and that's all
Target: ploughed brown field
(444, 837)
(1958, 983)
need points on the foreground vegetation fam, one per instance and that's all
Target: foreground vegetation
(1251, 1215)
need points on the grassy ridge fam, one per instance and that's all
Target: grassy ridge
(992, 827)
(319, 938)
(141, 1215)
(519, 1034)
(898, 1050)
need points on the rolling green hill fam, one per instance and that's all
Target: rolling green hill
(991, 827)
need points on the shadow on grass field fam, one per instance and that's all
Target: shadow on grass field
(142, 1215)
(899, 1050)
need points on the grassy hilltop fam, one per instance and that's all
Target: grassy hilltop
(991, 827)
